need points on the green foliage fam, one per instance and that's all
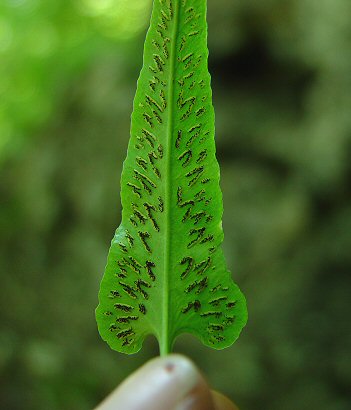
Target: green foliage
(166, 273)
(42, 45)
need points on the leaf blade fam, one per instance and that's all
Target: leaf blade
(169, 240)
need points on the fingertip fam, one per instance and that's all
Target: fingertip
(171, 382)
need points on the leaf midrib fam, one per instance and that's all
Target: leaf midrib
(165, 346)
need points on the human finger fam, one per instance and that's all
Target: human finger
(165, 383)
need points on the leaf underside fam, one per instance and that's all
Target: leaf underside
(166, 272)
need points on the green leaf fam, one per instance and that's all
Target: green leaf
(166, 273)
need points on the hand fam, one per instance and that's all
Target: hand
(166, 383)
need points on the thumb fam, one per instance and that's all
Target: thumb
(165, 383)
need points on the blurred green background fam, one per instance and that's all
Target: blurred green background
(282, 94)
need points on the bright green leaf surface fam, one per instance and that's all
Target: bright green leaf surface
(166, 273)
